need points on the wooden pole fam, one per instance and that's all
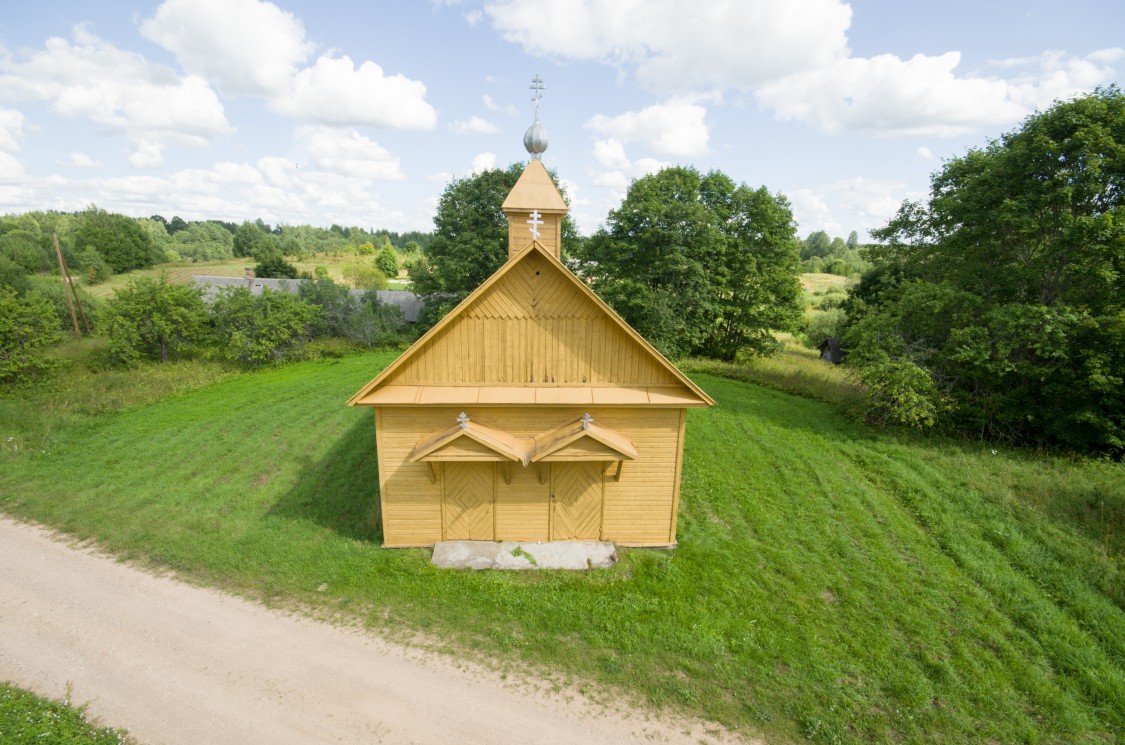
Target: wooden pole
(66, 281)
(74, 291)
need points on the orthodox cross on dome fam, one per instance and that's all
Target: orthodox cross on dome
(535, 221)
(535, 139)
(538, 87)
(464, 420)
(586, 420)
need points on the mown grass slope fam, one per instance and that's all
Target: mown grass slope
(831, 584)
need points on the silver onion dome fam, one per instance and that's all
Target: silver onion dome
(535, 138)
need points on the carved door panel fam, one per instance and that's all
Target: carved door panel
(468, 502)
(576, 501)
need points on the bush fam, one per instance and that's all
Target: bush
(27, 328)
(13, 275)
(93, 266)
(363, 320)
(363, 277)
(386, 261)
(829, 323)
(25, 249)
(53, 289)
(274, 266)
(152, 318)
(255, 330)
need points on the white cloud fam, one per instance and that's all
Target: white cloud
(334, 91)
(491, 105)
(840, 207)
(679, 45)
(244, 46)
(79, 160)
(617, 169)
(11, 129)
(923, 96)
(147, 155)
(925, 153)
(473, 17)
(483, 162)
(95, 80)
(441, 177)
(474, 125)
(11, 170)
(348, 152)
(675, 127)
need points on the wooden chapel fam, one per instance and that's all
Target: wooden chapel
(532, 411)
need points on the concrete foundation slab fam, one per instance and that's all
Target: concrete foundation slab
(524, 554)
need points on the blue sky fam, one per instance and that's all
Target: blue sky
(359, 113)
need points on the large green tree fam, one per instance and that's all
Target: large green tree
(1006, 289)
(28, 327)
(123, 243)
(471, 237)
(699, 264)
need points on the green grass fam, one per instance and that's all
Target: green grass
(27, 719)
(831, 584)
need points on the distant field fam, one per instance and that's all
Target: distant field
(818, 282)
(831, 584)
(182, 272)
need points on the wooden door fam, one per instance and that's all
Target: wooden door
(468, 502)
(576, 501)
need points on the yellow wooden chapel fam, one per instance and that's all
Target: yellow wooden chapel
(531, 411)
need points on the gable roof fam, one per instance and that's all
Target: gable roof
(532, 334)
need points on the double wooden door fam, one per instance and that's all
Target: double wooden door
(469, 502)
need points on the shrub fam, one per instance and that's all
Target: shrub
(27, 328)
(387, 261)
(275, 266)
(823, 325)
(255, 330)
(155, 319)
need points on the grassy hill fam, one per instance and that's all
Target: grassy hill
(832, 584)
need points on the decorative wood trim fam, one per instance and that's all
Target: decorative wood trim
(679, 475)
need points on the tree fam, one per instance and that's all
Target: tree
(358, 317)
(364, 277)
(817, 245)
(25, 248)
(387, 261)
(28, 327)
(152, 318)
(204, 241)
(853, 240)
(254, 330)
(1007, 287)
(123, 243)
(471, 240)
(699, 265)
(251, 240)
(275, 266)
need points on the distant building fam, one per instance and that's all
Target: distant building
(831, 350)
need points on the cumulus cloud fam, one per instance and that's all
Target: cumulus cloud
(79, 160)
(473, 125)
(335, 91)
(92, 79)
(348, 152)
(11, 129)
(483, 162)
(244, 46)
(491, 105)
(924, 96)
(850, 204)
(147, 155)
(616, 169)
(794, 58)
(678, 45)
(670, 128)
(925, 153)
(11, 170)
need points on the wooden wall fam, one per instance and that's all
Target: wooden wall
(534, 327)
(638, 510)
(519, 233)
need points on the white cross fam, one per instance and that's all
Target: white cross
(586, 420)
(463, 420)
(535, 222)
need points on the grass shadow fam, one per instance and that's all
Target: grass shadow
(340, 490)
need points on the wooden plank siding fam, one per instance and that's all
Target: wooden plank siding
(638, 509)
(534, 328)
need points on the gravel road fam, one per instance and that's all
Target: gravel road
(174, 663)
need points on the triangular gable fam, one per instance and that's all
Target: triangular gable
(470, 441)
(571, 338)
(581, 440)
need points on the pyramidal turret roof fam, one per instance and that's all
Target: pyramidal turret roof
(535, 190)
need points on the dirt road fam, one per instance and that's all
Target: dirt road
(174, 663)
